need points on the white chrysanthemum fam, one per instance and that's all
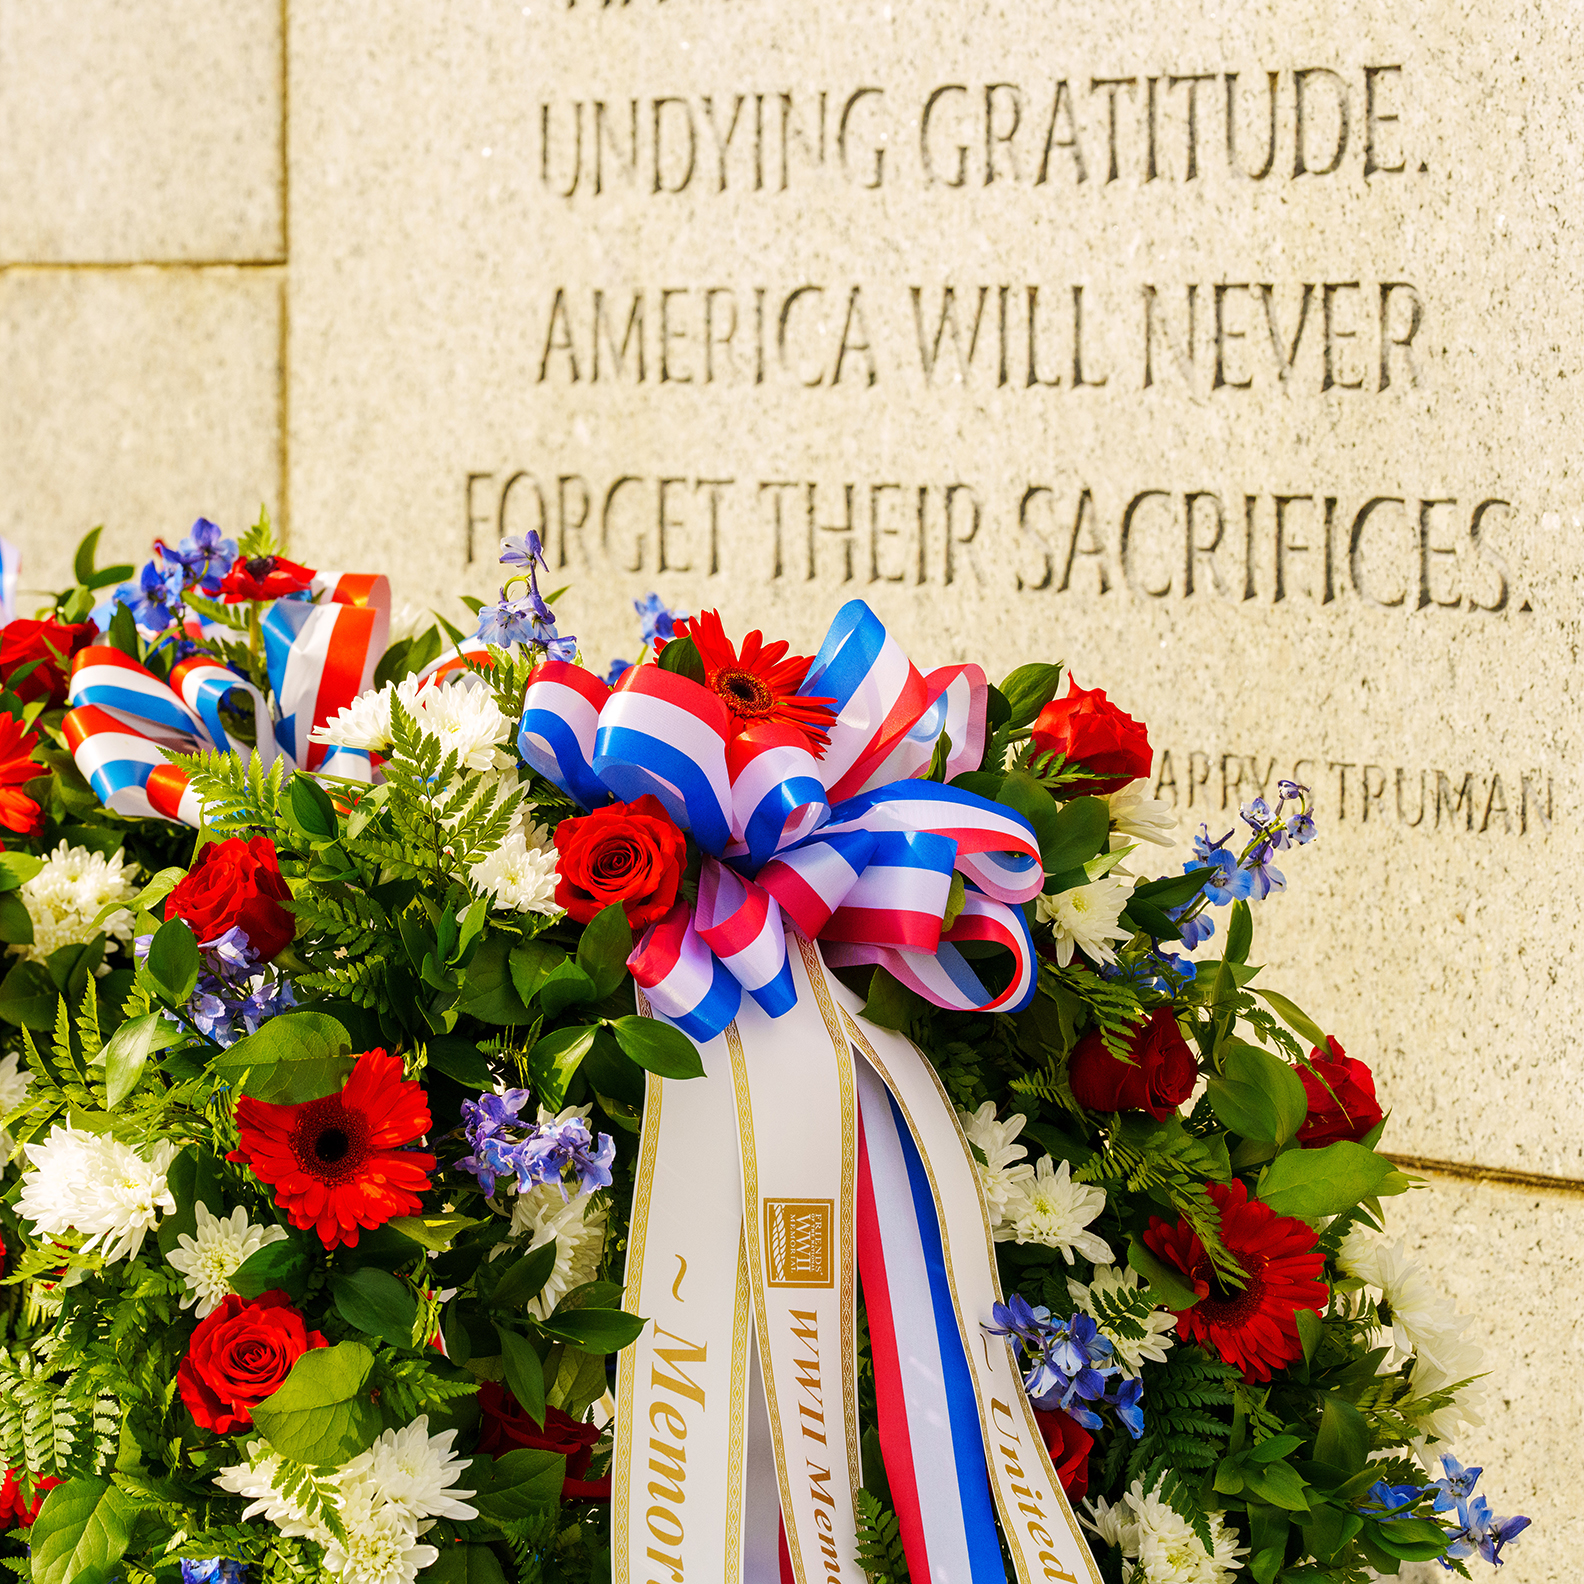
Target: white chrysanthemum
(1050, 1208)
(1169, 1552)
(1087, 917)
(254, 1480)
(1132, 1353)
(212, 1256)
(521, 873)
(95, 1185)
(1000, 1170)
(1135, 816)
(381, 1546)
(462, 715)
(1425, 1327)
(364, 723)
(15, 1081)
(579, 1239)
(1115, 1524)
(412, 1470)
(64, 898)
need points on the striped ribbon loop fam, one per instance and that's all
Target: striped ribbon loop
(663, 734)
(778, 798)
(319, 658)
(741, 923)
(204, 685)
(561, 713)
(684, 978)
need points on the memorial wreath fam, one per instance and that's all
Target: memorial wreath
(734, 1119)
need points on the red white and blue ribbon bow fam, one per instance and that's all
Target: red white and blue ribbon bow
(852, 847)
(320, 653)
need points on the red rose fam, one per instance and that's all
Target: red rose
(1342, 1103)
(1091, 731)
(1068, 1444)
(1159, 1079)
(18, 811)
(236, 884)
(264, 577)
(505, 1426)
(16, 1513)
(239, 1355)
(632, 853)
(49, 642)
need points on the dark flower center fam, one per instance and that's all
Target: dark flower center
(260, 566)
(744, 693)
(330, 1142)
(1231, 1306)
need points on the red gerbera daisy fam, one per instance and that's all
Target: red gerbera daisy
(265, 577)
(335, 1163)
(18, 811)
(760, 683)
(1254, 1327)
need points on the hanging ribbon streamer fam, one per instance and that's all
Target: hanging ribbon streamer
(850, 1159)
(320, 653)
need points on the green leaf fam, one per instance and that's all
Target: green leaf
(891, 1004)
(16, 923)
(1343, 1441)
(554, 1059)
(1240, 933)
(524, 1373)
(433, 1231)
(123, 631)
(322, 1415)
(566, 985)
(596, 1330)
(173, 961)
(1028, 690)
(194, 1178)
(159, 887)
(531, 963)
(374, 1302)
(1258, 1096)
(83, 561)
(1309, 1183)
(603, 951)
(17, 868)
(1168, 1286)
(1171, 891)
(460, 1059)
(1294, 1018)
(1408, 1539)
(488, 992)
(1277, 1483)
(1081, 831)
(311, 809)
(524, 1280)
(28, 996)
(1310, 1329)
(512, 1485)
(294, 1057)
(681, 656)
(465, 1564)
(84, 1524)
(665, 1051)
(283, 1264)
(129, 1049)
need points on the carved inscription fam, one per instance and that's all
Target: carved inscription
(1198, 337)
(1213, 123)
(1397, 547)
(1204, 784)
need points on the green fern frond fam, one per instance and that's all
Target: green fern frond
(880, 1552)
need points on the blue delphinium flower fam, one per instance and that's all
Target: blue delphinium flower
(658, 622)
(1126, 1398)
(1389, 1501)
(236, 995)
(618, 669)
(205, 556)
(1066, 1362)
(507, 1144)
(1228, 882)
(1480, 1530)
(1264, 876)
(215, 1570)
(525, 618)
(1456, 1483)
(155, 599)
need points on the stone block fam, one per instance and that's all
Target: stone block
(1230, 357)
(139, 399)
(140, 132)
(1508, 1257)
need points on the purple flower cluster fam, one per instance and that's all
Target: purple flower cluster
(199, 563)
(527, 618)
(506, 1144)
(213, 1571)
(1068, 1363)
(235, 994)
